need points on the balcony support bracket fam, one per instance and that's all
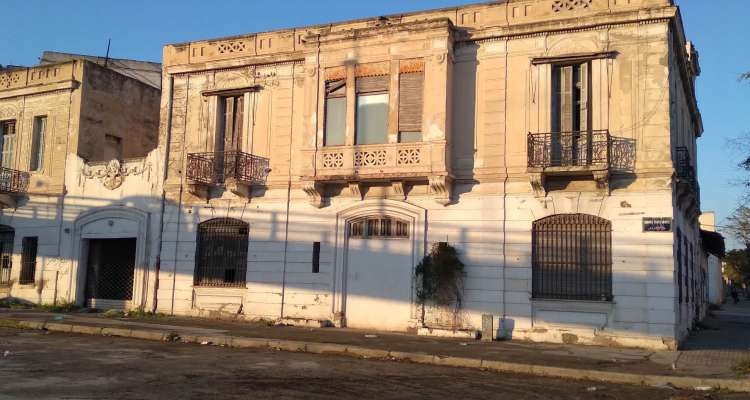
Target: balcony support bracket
(315, 192)
(200, 190)
(537, 184)
(441, 187)
(399, 189)
(602, 180)
(356, 190)
(8, 201)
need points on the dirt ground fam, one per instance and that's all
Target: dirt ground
(39, 365)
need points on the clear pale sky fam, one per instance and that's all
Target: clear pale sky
(138, 29)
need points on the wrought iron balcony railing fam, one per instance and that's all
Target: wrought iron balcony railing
(684, 165)
(13, 181)
(569, 149)
(580, 150)
(214, 168)
(685, 170)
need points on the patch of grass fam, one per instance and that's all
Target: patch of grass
(742, 368)
(138, 313)
(15, 304)
(60, 307)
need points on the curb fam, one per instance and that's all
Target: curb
(681, 382)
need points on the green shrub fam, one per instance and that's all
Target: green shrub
(440, 276)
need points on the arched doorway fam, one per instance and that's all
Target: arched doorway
(111, 258)
(381, 243)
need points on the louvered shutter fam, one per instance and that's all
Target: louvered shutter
(410, 100)
(372, 84)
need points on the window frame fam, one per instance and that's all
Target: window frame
(209, 264)
(563, 265)
(29, 253)
(8, 147)
(378, 227)
(38, 137)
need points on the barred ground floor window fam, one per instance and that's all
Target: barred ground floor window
(572, 258)
(221, 253)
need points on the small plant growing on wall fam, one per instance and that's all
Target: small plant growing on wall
(440, 277)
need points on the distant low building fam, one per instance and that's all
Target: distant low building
(714, 249)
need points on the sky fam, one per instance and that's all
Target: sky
(139, 28)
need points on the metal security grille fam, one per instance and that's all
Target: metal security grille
(572, 258)
(6, 253)
(221, 253)
(110, 268)
(379, 227)
(28, 260)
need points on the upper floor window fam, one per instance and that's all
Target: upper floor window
(372, 109)
(570, 97)
(37, 143)
(571, 258)
(7, 146)
(335, 109)
(229, 123)
(410, 100)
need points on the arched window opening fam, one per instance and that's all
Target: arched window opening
(378, 227)
(572, 258)
(221, 253)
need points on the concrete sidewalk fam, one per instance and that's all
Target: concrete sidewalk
(684, 369)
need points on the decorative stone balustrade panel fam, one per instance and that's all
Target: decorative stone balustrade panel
(391, 159)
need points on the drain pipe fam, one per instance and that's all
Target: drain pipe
(505, 204)
(165, 165)
(288, 207)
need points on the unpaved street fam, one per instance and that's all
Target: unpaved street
(37, 365)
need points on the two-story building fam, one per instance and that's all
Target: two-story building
(552, 142)
(80, 180)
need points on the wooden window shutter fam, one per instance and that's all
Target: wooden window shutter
(583, 101)
(336, 88)
(233, 114)
(371, 84)
(410, 100)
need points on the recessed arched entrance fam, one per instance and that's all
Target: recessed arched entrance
(111, 258)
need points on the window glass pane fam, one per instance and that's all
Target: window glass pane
(372, 118)
(335, 121)
(409, 137)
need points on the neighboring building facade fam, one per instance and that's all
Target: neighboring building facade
(714, 248)
(80, 181)
(552, 142)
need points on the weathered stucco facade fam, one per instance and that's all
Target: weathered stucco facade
(80, 168)
(490, 160)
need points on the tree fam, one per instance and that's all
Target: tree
(738, 224)
(737, 266)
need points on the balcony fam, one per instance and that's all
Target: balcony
(581, 153)
(234, 170)
(397, 164)
(687, 180)
(13, 185)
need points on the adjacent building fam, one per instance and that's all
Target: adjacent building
(552, 142)
(79, 184)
